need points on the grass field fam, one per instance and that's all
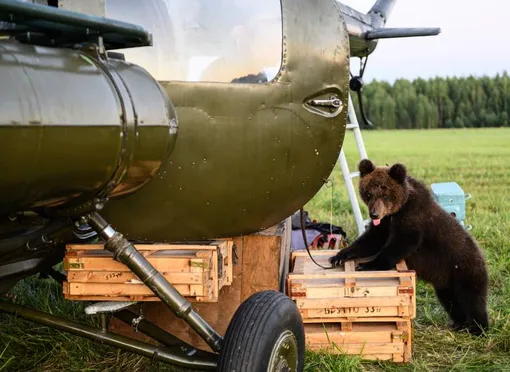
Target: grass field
(476, 159)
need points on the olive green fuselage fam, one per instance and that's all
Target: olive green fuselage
(244, 157)
(248, 155)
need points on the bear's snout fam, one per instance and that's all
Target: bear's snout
(377, 209)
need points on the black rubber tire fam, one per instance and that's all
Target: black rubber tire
(255, 329)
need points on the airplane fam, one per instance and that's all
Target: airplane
(171, 121)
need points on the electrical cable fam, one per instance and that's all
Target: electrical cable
(301, 212)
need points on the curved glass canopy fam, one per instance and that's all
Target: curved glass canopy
(202, 40)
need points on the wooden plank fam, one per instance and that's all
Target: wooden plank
(261, 263)
(116, 298)
(108, 264)
(350, 267)
(359, 349)
(326, 282)
(334, 302)
(414, 297)
(125, 298)
(406, 328)
(360, 333)
(147, 247)
(299, 291)
(401, 266)
(356, 312)
(370, 340)
(123, 277)
(227, 252)
(101, 289)
(357, 274)
(326, 252)
(349, 319)
(346, 326)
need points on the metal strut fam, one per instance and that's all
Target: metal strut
(348, 176)
(173, 352)
(126, 253)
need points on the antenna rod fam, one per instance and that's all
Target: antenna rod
(390, 33)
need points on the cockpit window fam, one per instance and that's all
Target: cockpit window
(203, 40)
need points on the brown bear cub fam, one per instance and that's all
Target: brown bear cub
(408, 224)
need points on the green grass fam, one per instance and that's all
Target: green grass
(476, 159)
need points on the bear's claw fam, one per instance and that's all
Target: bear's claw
(335, 260)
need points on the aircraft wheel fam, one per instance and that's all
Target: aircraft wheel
(266, 334)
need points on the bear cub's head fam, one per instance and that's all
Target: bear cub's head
(383, 189)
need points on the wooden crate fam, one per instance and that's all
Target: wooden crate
(197, 271)
(370, 340)
(345, 295)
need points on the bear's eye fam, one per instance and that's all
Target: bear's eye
(368, 195)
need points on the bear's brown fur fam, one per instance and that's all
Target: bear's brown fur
(408, 224)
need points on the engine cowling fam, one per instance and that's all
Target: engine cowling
(74, 127)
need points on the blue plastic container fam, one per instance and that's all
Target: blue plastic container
(451, 197)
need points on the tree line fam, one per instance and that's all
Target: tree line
(452, 102)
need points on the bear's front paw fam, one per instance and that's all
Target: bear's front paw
(336, 260)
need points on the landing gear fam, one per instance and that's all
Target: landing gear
(125, 252)
(266, 334)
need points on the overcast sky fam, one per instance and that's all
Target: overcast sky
(474, 39)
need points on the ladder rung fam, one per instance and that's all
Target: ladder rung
(354, 174)
(352, 126)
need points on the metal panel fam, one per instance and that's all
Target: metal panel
(249, 155)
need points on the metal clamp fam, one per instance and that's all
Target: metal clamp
(136, 321)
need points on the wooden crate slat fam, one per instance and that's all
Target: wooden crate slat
(335, 302)
(333, 274)
(108, 264)
(359, 349)
(361, 332)
(124, 277)
(353, 292)
(100, 289)
(370, 340)
(321, 289)
(342, 320)
(355, 312)
(147, 247)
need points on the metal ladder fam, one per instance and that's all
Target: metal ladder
(348, 176)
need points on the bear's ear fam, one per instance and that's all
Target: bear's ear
(365, 167)
(398, 172)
